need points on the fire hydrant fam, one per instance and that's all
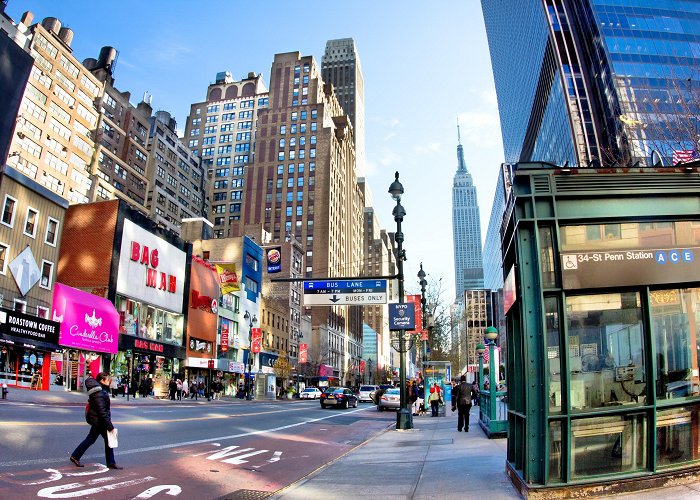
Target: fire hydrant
(4, 391)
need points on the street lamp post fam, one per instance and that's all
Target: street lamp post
(369, 370)
(423, 284)
(491, 334)
(404, 417)
(480, 348)
(251, 321)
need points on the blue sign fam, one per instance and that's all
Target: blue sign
(402, 316)
(345, 286)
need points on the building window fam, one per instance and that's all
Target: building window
(250, 285)
(42, 312)
(8, 211)
(30, 222)
(51, 232)
(46, 274)
(20, 306)
(251, 262)
(4, 252)
(606, 350)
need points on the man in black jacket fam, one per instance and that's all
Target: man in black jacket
(462, 401)
(99, 416)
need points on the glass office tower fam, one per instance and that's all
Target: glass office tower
(596, 82)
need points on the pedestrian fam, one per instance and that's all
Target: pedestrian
(113, 385)
(149, 386)
(475, 394)
(178, 389)
(99, 416)
(413, 396)
(172, 389)
(194, 393)
(435, 397)
(462, 402)
(185, 390)
(134, 387)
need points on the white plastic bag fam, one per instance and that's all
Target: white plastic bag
(113, 438)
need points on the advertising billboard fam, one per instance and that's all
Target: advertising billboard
(88, 322)
(151, 269)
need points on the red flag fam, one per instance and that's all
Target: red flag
(303, 348)
(257, 340)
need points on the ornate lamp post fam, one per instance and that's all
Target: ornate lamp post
(491, 334)
(251, 321)
(404, 417)
(423, 284)
(480, 348)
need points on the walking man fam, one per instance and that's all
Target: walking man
(462, 402)
(99, 416)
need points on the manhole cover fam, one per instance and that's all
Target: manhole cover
(246, 495)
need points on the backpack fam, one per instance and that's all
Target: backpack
(87, 410)
(465, 397)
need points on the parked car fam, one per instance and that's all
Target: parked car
(390, 399)
(310, 393)
(342, 397)
(367, 393)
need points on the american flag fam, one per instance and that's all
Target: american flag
(684, 155)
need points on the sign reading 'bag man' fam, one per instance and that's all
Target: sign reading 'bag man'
(228, 279)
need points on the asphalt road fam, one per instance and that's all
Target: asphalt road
(232, 450)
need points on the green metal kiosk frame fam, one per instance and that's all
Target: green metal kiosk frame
(602, 295)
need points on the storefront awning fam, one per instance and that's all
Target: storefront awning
(88, 322)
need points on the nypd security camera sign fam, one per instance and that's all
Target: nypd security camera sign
(402, 316)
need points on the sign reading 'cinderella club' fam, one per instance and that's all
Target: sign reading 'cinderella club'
(88, 322)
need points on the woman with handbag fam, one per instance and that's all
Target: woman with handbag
(435, 398)
(99, 416)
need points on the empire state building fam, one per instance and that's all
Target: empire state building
(466, 229)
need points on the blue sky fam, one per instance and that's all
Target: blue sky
(425, 64)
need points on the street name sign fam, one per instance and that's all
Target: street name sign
(345, 292)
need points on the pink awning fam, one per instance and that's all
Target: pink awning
(88, 322)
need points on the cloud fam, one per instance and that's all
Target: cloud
(480, 128)
(389, 136)
(433, 147)
(388, 157)
(166, 51)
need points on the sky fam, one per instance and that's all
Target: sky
(425, 64)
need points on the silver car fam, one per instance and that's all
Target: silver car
(367, 393)
(390, 399)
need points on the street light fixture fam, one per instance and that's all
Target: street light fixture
(404, 417)
(251, 321)
(491, 334)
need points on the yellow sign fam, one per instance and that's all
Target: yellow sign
(228, 278)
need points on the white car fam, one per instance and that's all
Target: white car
(310, 393)
(367, 392)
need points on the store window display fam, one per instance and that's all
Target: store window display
(148, 322)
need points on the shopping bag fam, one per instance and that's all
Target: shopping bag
(113, 438)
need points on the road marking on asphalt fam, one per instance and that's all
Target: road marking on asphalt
(19, 463)
(60, 491)
(24, 423)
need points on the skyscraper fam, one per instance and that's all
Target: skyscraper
(596, 81)
(340, 65)
(466, 229)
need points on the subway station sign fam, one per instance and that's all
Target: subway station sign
(609, 268)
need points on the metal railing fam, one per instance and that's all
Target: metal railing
(493, 413)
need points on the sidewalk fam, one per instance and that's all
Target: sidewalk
(431, 461)
(80, 398)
